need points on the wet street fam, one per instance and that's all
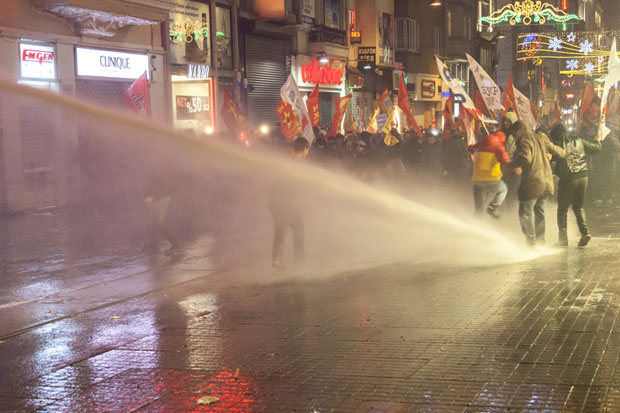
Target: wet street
(85, 328)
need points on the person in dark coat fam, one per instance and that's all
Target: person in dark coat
(531, 159)
(573, 173)
(605, 167)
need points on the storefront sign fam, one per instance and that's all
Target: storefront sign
(366, 54)
(37, 61)
(105, 63)
(428, 89)
(323, 75)
(356, 36)
(307, 12)
(192, 107)
(197, 71)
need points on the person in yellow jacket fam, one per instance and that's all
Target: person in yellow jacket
(489, 154)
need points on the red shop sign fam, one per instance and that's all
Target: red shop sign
(322, 75)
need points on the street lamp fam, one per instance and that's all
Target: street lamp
(435, 3)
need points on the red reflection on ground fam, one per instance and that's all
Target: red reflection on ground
(236, 394)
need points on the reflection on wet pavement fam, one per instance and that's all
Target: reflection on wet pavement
(121, 331)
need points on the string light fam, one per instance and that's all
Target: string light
(528, 12)
(585, 53)
(188, 31)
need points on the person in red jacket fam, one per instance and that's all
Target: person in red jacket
(489, 153)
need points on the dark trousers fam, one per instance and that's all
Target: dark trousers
(532, 218)
(287, 215)
(572, 191)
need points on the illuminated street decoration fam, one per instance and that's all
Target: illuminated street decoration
(188, 31)
(528, 12)
(583, 53)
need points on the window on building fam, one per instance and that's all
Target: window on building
(223, 37)
(583, 9)
(407, 34)
(437, 41)
(485, 8)
(486, 59)
(332, 16)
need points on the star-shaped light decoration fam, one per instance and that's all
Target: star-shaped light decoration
(601, 59)
(555, 44)
(571, 37)
(572, 64)
(589, 67)
(586, 47)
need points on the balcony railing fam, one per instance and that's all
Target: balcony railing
(324, 34)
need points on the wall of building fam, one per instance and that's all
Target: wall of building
(39, 145)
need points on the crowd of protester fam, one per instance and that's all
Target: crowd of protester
(509, 159)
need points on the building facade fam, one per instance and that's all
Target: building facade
(93, 50)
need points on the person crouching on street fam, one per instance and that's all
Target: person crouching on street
(489, 153)
(573, 174)
(531, 159)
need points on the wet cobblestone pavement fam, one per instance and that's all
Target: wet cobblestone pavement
(160, 335)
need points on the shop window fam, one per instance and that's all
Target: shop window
(37, 140)
(223, 38)
(189, 33)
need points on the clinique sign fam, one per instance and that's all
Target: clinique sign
(323, 75)
(110, 64)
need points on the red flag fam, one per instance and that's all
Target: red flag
(341, 105)
(235, 120)
(509, 98)
(448, 118)
(557, 115)
(465, 126)
(312, 103)
(137, 96)
(589, 112)
(405, 106)
(481, 105)
(291, 124)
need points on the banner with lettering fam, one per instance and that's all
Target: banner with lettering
(489, 90)
(137, 96)
(456, 88)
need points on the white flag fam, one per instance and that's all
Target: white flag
(524, 109)
(290, 94)
(613, 77)
(457, 90)
(489, 90)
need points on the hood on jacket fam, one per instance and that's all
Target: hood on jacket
(559, 133)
